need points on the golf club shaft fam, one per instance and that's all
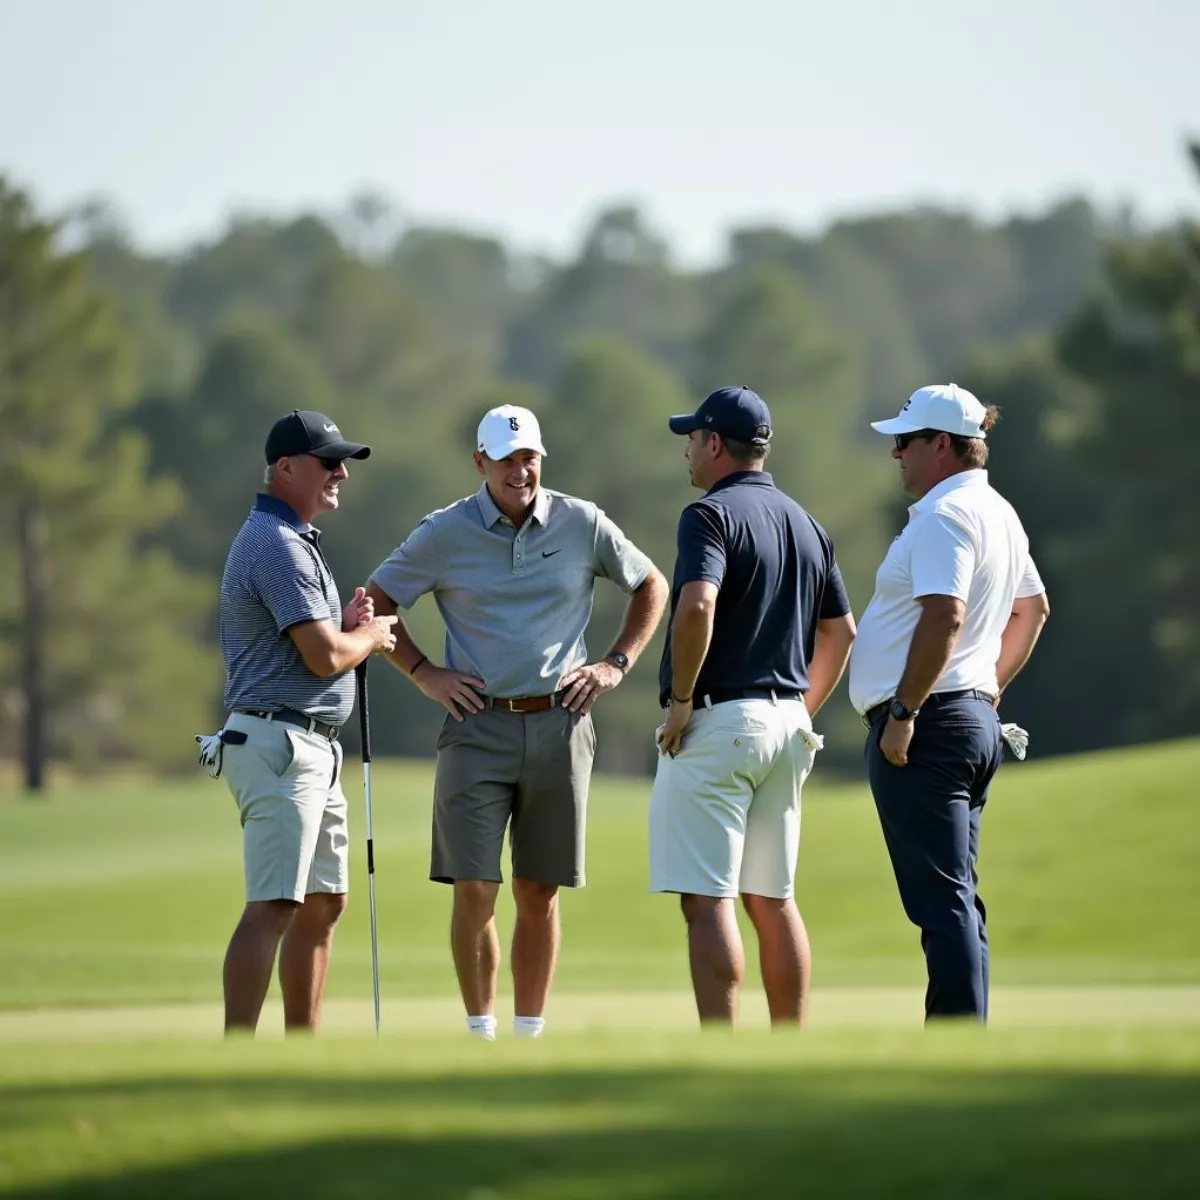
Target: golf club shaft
(364, 717)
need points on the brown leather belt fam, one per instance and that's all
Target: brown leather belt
(523, 704)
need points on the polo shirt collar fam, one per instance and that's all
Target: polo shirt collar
(282, 510)
(758, 478)
(976, 477)
(491, 512)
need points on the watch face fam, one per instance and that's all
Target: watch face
(619, 660)
(900, 711)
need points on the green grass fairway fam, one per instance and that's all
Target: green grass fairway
(954, 1113)
(125, 894)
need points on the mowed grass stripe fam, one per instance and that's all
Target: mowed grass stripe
(951, 1113)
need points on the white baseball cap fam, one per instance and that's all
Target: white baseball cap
(944, 406)
(506, 429)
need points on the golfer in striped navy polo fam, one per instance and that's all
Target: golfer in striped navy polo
(290, 651)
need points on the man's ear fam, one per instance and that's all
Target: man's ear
(479, 462)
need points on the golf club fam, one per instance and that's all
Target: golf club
(364, 717)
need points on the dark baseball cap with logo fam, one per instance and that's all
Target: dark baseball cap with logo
(305, 432)
(733, 412)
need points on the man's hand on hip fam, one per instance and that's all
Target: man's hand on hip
(585, 684)
(450, 689)
(895, 740)
(670, 736)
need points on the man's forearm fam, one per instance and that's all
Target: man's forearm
(691, 634)
(1016, 645)
(407, 654)
(928, 653)
(831, 652)
(642, 615)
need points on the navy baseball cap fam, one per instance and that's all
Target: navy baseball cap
(733, 412)
(303, 431)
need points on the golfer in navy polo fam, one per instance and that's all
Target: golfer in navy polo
(759, 636)
(958, 606)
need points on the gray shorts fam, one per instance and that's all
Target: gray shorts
(287, 784)
(527, 771)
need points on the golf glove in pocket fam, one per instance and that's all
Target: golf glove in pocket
(1017, 739)
(212, 748)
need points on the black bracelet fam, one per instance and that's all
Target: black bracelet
(413, 669)
(682, 699)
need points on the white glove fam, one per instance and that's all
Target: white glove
(1017, 739)
(211, 749)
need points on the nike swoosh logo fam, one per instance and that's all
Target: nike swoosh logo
(548, 553)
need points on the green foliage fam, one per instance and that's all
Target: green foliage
(406, 333)
(104, 632)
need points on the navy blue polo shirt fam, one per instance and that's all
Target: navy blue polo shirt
(776, 576)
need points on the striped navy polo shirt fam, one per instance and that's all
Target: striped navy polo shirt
(276, 577)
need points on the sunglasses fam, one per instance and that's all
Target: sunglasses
(330, 464)
(903, 439)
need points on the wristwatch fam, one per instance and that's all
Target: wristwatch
(618, 660)
(900, 711)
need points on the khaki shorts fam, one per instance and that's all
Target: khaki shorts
(725, 811)
(287, 784)
(525, 771)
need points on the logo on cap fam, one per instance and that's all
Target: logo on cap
(514, 424)
(331, 429)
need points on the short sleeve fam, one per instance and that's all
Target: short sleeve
(412, 568)
(290, 584)
(617, 558)
(942, 558)
(834, 600)
(1031, 582)
(700, 546)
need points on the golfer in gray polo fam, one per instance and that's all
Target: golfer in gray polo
(512, 570)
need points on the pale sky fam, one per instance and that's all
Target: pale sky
(522, 118)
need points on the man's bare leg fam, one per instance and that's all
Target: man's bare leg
(475, 944)
(715, 955)
(784, 956)
(250, 957)
(304, 959)
(536, 939)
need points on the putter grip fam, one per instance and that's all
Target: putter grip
(364, 709)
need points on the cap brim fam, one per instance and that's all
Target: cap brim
(896, 425)
(684, 423)
(344, 450)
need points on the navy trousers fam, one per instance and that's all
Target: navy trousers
(930, 812)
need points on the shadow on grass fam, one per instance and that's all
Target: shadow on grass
(633, 1134)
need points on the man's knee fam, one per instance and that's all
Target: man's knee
(533, 898)
(765, 908)
(702, 909)
(476, 898)
(269, 916)
(324, 908)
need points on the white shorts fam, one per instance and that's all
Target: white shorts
(725, 811)
(287, 784)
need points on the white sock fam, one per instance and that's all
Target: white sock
(528, 1027)
(482, 1027)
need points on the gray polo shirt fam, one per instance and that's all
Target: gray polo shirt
(276, 577)
(515, 602)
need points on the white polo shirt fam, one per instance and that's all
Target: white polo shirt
(963, 539)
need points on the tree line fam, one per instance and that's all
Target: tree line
(136, 390)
